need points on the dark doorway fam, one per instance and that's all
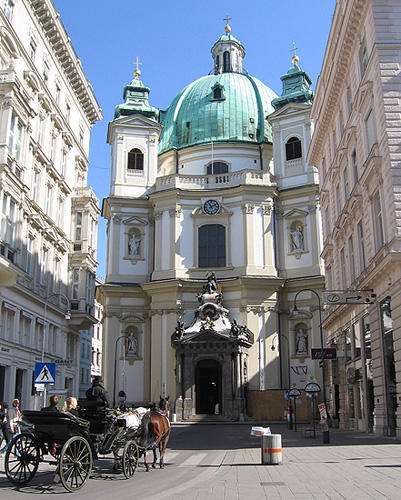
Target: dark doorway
(208, 386)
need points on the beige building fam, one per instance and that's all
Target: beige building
(218, 183)
(49, 215)
(356, 145)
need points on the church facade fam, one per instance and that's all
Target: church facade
(213, 228)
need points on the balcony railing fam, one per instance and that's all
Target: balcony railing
(214, 181)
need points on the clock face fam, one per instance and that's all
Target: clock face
(211, 207)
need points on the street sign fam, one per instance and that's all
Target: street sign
(286, 396)
(64, 362)
(45, 373)
(333, 297)
(322, 411)
(294, 393)
(328, 353)
(312, 387)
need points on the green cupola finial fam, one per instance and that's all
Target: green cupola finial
(296, 85)
(136, 97)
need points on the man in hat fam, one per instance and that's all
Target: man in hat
(97, 392)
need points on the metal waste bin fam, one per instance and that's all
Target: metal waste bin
(271, 449)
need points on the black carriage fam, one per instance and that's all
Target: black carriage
(72, 443)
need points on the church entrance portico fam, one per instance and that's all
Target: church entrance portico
(211, 359)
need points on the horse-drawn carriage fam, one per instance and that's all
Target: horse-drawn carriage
(73, 444)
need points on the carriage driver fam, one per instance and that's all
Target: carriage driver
(97, 392)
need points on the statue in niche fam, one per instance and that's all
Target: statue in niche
(131, 346)
(133, 245)
(302, 341)
(297, 239)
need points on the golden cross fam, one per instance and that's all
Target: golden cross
(137, 72)
(227, 19)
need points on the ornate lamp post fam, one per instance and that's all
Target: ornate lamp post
(67, 316)
(279, 335)
(326, 435)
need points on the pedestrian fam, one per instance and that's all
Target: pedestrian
(97, 392)
(12, 428)
(70, 406)
(53, 402)
(2, 415)
(5, 427)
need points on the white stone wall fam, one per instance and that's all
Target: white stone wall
(369, 30)
(56, 108)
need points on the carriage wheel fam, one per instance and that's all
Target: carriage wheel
(75, 463)
(130, 458)
(22, 459)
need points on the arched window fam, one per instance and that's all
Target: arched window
(135, 159)
(212, 246)
(293, 148)
(226, 62)
(217, 167)
(217, 67)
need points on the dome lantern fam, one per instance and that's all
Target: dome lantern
(228, 52)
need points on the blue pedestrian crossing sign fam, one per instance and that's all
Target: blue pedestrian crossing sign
(45, 373)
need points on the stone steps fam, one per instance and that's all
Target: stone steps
(207, 418)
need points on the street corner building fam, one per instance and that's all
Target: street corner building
(356, 146)
(49, 216)
(213, 227)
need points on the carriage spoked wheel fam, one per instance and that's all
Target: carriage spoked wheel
(130, 458)
(75, 463)
(22, 459)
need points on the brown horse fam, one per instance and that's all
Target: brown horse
(155, 425)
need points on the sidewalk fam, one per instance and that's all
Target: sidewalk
(353, 466)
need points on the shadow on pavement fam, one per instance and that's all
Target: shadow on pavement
(232, 436)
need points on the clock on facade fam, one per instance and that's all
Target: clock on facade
(211, 207)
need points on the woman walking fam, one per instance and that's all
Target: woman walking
(13, 416)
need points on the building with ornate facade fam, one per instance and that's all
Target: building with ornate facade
(356, 146)
(49, 216)
(217, 183)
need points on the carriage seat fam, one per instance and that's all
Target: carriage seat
(96, 413)
(92, 410)
(54, 426)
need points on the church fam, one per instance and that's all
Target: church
(213, 229)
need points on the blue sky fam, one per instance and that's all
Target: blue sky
(172, 39)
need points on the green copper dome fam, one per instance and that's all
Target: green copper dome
(225, 107)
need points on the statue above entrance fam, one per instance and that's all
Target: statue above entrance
(211, 321)
(211, 291)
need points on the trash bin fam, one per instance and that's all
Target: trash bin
(271, 449)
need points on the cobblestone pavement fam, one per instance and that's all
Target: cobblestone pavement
(223, 462)
(353, 466)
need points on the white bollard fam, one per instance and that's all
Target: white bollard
(271, 449)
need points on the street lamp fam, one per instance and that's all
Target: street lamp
(115, 368)
(279, 335)
(326, 435)
(67, 316)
